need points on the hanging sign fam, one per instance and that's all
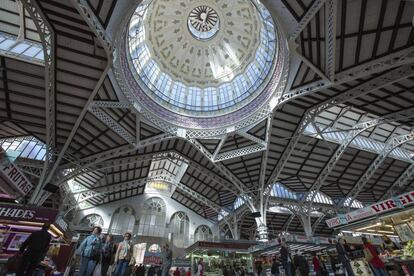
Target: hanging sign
(12, 175)
(388, 205)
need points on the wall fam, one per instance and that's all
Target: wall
(137, 202)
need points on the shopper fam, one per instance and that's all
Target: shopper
(166, 256)
(177, 272)
(371, 255)
(259, 269)
(344, 257)
(108, 254)
(90, 252)
(123, 255)
(188, 272)
(200, 267)
(34, 249)
(301, 264)
(275, 267)
(151, 271)
(286, 259)
(317, 266)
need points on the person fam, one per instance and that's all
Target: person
(34, 249)
(177, 272)
(90, 252)
(166, 257)
(151, 271)
(388, 244)
(140, 270)
(317, 266)
(259, 269)
(159, 271)
(225, 271)
(371, 255)
(200, 267)
(188, 272)
(274, 270)
(286, 259)
(301, 264)
(343, 256)
(108, 254)
(123, 255)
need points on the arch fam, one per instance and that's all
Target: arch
(123, 220)
(152, 222)
(203, 233)
(92, 220)
(180, 228)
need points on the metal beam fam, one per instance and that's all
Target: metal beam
(401, 182)
(367, 69)
(362, 89)
(352, 134)
(316, 6)
(90, 18)
(391, 145)
(330, 38)
(47, 38)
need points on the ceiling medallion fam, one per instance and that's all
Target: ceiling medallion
(203, 22)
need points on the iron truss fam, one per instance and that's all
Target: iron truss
(400, 183)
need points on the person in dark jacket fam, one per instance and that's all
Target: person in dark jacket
(151, 271)
(274, 270)
(286, 259)
(36, 246)
(108, 253)
(343, 256)
(301, 264)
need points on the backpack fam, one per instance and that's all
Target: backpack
(96, 250)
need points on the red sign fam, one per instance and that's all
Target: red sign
(373, 210)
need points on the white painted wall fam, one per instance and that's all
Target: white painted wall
(137, 202)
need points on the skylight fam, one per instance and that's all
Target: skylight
(355, 204)
(25, 50)
(319, 198)
(27, 147)
(278, 190)
(238, 202)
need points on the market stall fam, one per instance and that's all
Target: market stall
(18, 222)
(264, 253)
(221, 255)
(389, 225)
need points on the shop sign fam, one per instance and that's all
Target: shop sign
(181, 263)
(15, 177)
(373, 210)
(17, 213)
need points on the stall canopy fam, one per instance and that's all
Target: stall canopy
(397, 203)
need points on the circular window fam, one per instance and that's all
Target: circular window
(202, 67)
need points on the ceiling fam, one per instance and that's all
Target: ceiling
(351, 59)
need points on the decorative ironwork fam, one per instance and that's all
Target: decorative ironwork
(203, 22)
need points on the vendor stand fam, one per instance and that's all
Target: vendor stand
(265, 252)
(389, 225)
(217, 255)
(18, 222)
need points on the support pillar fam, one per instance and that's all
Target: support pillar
(262, 229)
(306, 223)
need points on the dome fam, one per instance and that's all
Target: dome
(202, 66)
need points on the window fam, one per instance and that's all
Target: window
(203, 233)
(319, 197)
(91, 221)
(238, 202)
(180, 227)
(123, 221)
(152, 221)
(278, 190)
(355, 203)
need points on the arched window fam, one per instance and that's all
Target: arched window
(203, 233)
(180, 226)
(92, 220)
(123, 220)
(152, 221)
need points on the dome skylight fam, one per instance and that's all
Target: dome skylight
(202, 64)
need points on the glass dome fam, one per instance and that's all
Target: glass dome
(201, 64)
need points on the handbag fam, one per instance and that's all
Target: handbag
(15, 262)
(368, 254)
(98, 270)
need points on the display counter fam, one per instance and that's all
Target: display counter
(18, 222)
(220, 255)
